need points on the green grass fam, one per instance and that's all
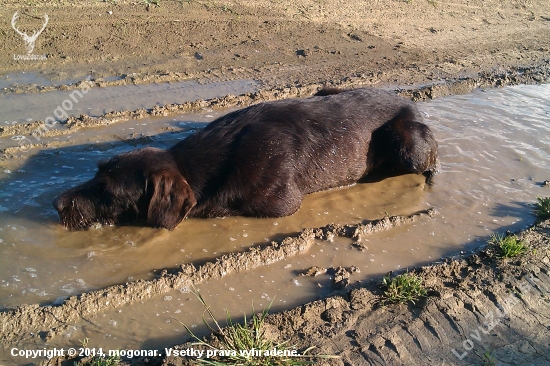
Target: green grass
(244, 337)
(542, 208)
(508, 246)
(100, 361)
(403, 288)
(489, 360)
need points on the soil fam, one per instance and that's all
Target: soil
(283, 44)
(481, 310)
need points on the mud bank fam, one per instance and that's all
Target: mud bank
(481, 309)
(47, 321)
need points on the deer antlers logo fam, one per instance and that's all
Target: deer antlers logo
(29, 40)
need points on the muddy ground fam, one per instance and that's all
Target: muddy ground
(482, 310)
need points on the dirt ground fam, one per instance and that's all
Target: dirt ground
(280, 43)
(482, 310)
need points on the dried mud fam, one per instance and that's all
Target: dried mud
(280, 43)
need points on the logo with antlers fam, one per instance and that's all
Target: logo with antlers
(29, 40)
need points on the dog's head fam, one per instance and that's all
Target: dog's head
(142, 184)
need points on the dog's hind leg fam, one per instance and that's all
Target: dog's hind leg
(284, 199)
(406, 145)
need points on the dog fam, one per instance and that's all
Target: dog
(259, 161)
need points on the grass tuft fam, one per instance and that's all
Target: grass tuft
(99, 361)
(489, 360)
(96, 360)
(542, 208)
(508, 246)
(403, 288)
(245, 337)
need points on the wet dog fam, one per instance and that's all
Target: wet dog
(259, 161)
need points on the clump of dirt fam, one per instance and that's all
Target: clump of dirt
(314, 271)
(340, 276)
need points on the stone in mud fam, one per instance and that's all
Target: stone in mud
(314, 271)
(359, 246)
(341, 276)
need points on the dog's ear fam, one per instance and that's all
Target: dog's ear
(171, 199)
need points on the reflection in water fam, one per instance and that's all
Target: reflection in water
(494, 146)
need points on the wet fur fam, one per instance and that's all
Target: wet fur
(259, 161)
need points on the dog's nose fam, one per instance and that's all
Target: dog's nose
(58, 203)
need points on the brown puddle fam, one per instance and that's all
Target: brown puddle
(494, 149)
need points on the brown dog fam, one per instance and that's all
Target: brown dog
(259, 161)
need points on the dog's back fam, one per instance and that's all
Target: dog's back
(290, 148)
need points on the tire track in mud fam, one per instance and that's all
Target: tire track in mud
(28, 321)
(512, 76)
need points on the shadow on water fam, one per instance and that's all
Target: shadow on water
(31, 225)
(513, 209)
(47, 173)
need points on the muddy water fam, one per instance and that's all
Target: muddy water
(23, 78)
(18, 108)
(78, 261)
(494, 149)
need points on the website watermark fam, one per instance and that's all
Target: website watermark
(29, 40)
(60, 113)
(493, 318)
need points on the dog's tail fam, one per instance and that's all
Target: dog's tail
(328, 91)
